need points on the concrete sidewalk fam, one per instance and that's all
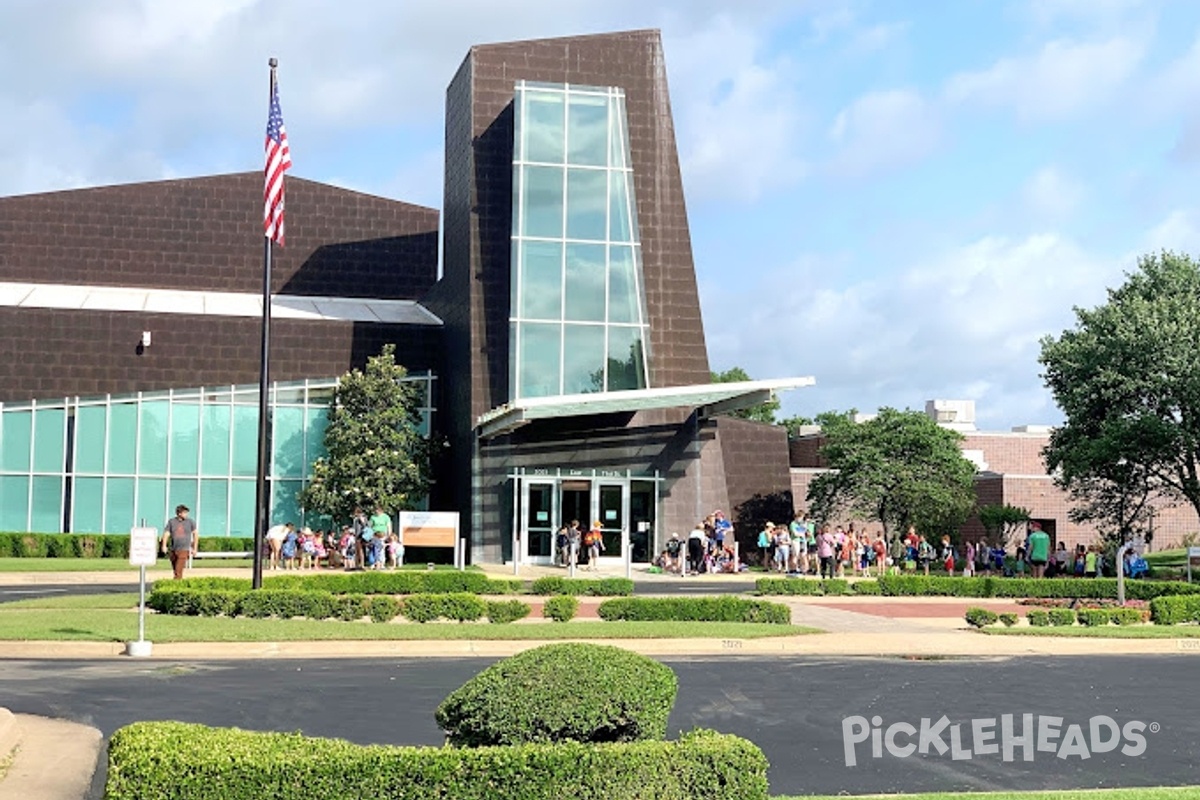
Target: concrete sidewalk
(48, 759)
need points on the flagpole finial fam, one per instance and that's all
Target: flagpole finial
(273, 62)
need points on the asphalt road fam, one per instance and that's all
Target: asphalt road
(791, 707)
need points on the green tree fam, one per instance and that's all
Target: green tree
(764, 412)
(794, 424)
(376, 453)
(1002, 522)
(1127, 378)
(899, 468)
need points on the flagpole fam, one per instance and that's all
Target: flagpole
(261, 495)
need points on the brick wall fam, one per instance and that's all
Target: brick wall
(206, 234)
(757, 476)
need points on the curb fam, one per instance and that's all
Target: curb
(10, 733)
(52, 759)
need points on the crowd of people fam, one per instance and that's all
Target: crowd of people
(571, 542)
(368, 542)
(709, 548)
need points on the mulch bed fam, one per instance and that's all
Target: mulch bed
(949, 610)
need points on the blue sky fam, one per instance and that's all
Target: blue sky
(899, 199)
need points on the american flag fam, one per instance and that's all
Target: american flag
(279, 159)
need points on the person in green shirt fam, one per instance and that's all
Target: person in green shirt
(1039, 549)
(381, 526)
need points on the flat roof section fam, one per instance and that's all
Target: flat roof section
(711, 398)
(215, 304)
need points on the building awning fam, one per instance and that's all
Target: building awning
(710, 398)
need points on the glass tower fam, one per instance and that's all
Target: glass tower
(578, 311)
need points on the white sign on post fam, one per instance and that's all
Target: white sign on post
(143, 547)
(1193, 561)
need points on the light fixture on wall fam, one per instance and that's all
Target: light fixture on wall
(145, 338)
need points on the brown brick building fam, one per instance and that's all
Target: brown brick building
(561, 349)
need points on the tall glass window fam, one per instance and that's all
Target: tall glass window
(578, 291)
(135, 457)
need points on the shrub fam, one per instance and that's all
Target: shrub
(803, 586)
(981, 617)
(1038, 618)
(1061, 616)
(1175, 610)
(696, 609)
(502, 611)
(1009, 619)
(32, 545)
(462, 607)
(866, 587)
(561, 609)
(178, 760)
(919, 585)
(351, 607)
(612, 695)
(217, 602)
(1127, 616)
(595, 587)
(381, 608)
(1092, 617)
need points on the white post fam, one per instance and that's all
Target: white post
(142, 605)
(516, 551)
(1121, 573)
(737, 557)
(628, 547)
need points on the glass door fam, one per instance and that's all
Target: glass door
(539, 502)
(612, 512)
(642, 505)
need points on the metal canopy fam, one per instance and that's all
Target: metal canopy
(710, 398)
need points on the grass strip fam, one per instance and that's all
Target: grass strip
(1106, 632)
(1149, 793)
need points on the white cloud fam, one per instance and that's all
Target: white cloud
(1051, 194)
(878, 37)
(966, 322)
(1057, 82)
(882, 131)
(1180, 231)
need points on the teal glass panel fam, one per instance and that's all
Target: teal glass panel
(623, 303)
(583, 358)
(118, 510)
(543, 202)
(541, 280)
(587, 130)
(213, 510)
(91, 423)
(288, 443)
(122, 438)
(245, 440)
(185, 439)
(284, 505)
(47, 516)
(152, 437)
(620, 228)
(87, 497)
(317, 420)
(617, 139)
(14, 502)
(214, 436)
(540, 352)
(587, 204)
(184, 491)
(585, 283)
(49, 442)
(426, 424)
(542, 127)
(16, 437)
(152, 502)
(626, 369)
(241, 508)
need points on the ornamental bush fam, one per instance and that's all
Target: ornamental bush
(1009, 619)
(1128, 616)
(595, 587)
(804, 586)
(1061, 616)
(562, 692)
(695, 609)
(562, 608)
(919, 585)
(181, 761)
(1092, 617)
(502, 611)
(981, 617)
(1038, 618)
(401, 582)
(461, 607)
(866, 587)
(1175, 610)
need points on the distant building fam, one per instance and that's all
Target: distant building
(1009, 471)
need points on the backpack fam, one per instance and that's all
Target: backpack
(673, 547)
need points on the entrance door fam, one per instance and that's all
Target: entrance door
(641, 521)
(612, 512)
(539, 502)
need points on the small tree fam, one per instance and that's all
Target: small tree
(1003, 522)
(763, 412)
(376, 453)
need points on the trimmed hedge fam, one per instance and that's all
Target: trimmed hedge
(919, 585)
(1061, 616)
(1092, 617)
(562, 608)
(1038, 618)
(436, 582)
(460, 606)
(595, 587)
(695, 609)
(178, 761)
(1175, 610)
(981, 617)
(786, 586)
(95, 545)
(865, 587)
(571, 692)
(1009, 619)
(504, 611)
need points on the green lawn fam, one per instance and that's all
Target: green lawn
(1106, 632)
(1168, 558)
(1171, 793)
(106, 564)
(113, 618)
